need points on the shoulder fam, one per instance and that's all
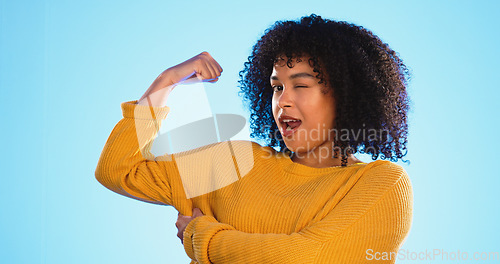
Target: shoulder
(386, 195)
(384, 172)
(387, 184)
(381, 177)
(394, 199)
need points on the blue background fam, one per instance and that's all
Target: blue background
(65, 67)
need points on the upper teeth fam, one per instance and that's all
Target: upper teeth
(289, 120)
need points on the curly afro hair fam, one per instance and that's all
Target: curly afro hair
(367, 77)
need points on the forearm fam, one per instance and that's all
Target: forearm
(240, 247)
(159, 91)
(206, 237)
(363, 220)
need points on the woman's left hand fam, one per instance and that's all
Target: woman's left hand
(183, 221)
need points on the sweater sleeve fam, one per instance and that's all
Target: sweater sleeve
(374, 217)
(126, 165)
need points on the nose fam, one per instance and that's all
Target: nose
(285, 99)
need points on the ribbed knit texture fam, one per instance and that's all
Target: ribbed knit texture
(276, 212)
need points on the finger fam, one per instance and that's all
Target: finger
(197, 212)
(183, 217)
(217, 73)
(180, 236)
(213, 66)
(217, 65)
(180, 222)
(214, 80)
(213, 62)
(204, 72)
(213, 71)
(205, 53)
(217, 68)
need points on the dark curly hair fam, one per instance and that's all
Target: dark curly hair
(367, 77)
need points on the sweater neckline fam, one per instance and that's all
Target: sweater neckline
(296, 168)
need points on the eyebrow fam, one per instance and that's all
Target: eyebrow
(296, 75)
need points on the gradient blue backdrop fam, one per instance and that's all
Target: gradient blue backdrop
(65, 67)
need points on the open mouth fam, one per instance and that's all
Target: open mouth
(289, 126)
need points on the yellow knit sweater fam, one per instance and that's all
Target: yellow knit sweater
(259, 206)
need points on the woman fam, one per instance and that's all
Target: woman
(319, 91)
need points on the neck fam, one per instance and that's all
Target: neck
(321, 157)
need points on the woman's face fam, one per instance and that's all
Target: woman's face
(303, 109)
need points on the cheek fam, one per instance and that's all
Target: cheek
(274, 103)
(274, 106)
(324, 112)
(332, 110)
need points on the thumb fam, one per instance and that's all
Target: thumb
(195, 77)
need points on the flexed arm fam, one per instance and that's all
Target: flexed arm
(374, 217)
(126, 165)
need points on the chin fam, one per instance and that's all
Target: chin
(301, 146)
(297, 146)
